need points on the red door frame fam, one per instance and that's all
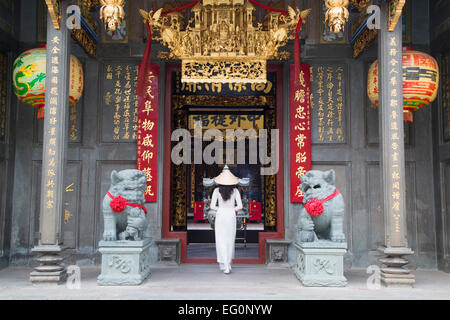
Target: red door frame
(262, 236)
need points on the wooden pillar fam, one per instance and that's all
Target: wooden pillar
(392, 154)
(54, 155)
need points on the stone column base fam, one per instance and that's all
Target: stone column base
(394, 275)
(124, 263)
(50, 271)
(320, 263)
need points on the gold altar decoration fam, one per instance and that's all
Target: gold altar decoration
(112, 13)
(220, 43)
(360, 4)
(337, 14)
(395, 12)
(54, 9)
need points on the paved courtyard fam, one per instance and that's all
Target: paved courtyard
(205, 282)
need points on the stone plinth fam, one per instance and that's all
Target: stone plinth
(124, 263)
(320, 263)
(169, 251)
(277, 252)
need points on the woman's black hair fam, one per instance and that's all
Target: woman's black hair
(226, 191)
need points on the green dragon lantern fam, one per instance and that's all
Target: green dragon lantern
(29, 74)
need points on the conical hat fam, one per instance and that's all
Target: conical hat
(226, 178)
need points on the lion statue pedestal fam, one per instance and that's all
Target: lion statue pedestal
(320, 263)
(124, 262)
(321, 243)
(125, 251)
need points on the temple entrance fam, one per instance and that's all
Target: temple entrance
(206, 113)
(200, 227)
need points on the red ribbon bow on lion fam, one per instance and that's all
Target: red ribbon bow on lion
(119, 204)
(314, 207)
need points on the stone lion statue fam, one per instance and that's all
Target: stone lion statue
(322, 217)
(123, 210)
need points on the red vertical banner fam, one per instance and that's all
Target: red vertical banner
(147, 133)
(300, 127)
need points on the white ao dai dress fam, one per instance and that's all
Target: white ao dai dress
(225, 226)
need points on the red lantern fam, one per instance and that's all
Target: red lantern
(420, 81)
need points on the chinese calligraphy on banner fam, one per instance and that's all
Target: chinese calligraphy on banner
(147, 134)
(300, 128)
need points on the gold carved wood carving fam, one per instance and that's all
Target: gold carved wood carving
(179, 173)
(270, 186)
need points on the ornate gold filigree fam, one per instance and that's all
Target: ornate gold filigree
(270, 183)
(395, 12)
(360, 4)
(364, 41)
(206, 100)
(221, 43)
(223, 71)
(85, 41)
(54, 9)
(179, 173)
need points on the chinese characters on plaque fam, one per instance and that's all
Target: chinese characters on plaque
(147, 134)
(120, 104)
(228, 121)
(328, 104)
(300, 129)
(250, 89)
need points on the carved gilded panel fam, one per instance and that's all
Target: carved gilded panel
(270, 185)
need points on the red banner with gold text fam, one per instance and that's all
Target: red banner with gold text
(147, 133)
(300, 127)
